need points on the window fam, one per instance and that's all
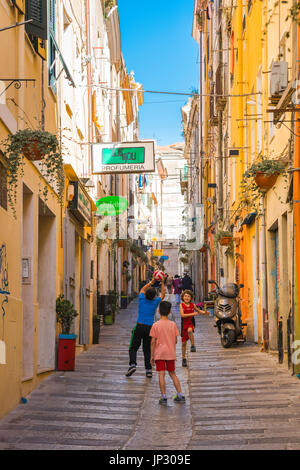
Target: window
(3, 187)
(36, 10)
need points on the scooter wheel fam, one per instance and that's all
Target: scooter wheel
(228, 338)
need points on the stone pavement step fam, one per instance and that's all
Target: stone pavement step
(97, 407)
(240, 398)
(235, 399)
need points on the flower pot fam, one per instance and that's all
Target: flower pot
(109, 319)
(203, 249)
(265, 181)
(32, 152)
(66, 352)
(225, 241)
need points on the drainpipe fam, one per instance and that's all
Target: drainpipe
(263, 274)
(296, 201)
(198, 257)
(89, 80)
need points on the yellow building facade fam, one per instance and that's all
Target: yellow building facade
(31, 258)
(241, 48)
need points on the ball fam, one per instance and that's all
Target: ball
(158, 275)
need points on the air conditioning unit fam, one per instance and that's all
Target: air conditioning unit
(279, 77)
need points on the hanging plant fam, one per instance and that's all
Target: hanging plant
(108, 5)
(230, 249)
(128, 277)
(262, 174)
(205, 247)
(35, 145)
(223, 237)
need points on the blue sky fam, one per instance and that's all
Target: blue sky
(157, 44)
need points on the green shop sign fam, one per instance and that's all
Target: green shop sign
(111, 205)
(121, 156)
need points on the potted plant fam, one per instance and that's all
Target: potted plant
(96, 328)
(205, 247)
(35, 145)
(264, 173)
(112, 307)
(224, 237)
(65, 314)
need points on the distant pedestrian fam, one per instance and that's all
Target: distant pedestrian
(187, 283)
(163, 352)
(177, 284)
(148, 303)
(169, 283)
(188, 311)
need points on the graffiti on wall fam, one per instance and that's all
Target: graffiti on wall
(4, 290)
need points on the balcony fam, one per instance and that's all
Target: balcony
(184, 179)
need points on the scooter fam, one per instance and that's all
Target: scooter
(227, 313)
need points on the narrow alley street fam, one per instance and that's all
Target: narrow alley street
(235, 399)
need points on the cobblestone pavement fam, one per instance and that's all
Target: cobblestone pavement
(235, 399)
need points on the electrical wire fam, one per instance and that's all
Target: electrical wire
(196, 95)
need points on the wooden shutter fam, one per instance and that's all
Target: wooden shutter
(84, 336)
(37, 11)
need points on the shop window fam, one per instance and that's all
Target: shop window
(3, 187)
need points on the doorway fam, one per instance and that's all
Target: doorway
(46, 283)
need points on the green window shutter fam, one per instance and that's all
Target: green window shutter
(36, 10)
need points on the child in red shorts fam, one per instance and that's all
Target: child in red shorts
(188, 311)
(163, 351)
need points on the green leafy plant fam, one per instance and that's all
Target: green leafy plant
(249, 187)
(222, 234)
(128, 277)
(35, 145)
(267, 166)
(205, 246)
(113, 300)
(65, 313)
(230, 249)
(108, 5)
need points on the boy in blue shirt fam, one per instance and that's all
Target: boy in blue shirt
(148, 303)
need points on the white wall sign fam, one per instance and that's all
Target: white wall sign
(123, 157)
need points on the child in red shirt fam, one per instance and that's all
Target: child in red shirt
(188, 311)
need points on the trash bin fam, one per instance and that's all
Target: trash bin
(66, 352)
